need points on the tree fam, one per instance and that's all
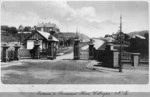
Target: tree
(126, 37)
(5, 28)
(146, 35)
(106, 35)
(27, 29)
(13, 30)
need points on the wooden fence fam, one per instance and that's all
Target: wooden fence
(24, 53)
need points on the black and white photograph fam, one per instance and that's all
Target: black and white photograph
(74, 42)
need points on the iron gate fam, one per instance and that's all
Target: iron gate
(84, 54)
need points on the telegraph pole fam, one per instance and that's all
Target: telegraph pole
(121, 41)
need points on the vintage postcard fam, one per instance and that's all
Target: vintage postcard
(75, 46)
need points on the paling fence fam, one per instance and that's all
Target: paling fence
(24, 53)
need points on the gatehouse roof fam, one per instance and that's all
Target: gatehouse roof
(45, 35)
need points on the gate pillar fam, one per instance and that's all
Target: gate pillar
(115, 58)
(4, 52)
(76, 49)
(50, 50)
(91, 51)
(16, 51)
(36, 49)
(55, 50)
(135, 59)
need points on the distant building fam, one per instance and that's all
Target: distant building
(66, 35)
(46, 27)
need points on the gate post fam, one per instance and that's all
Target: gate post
(115, 62)
(55, 49)
(91, 51)
(16, 51)
(36, 49)
(50, 50)
(76, 48)
(135, 59)
(4, 52)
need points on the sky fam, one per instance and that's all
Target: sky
(93, 18)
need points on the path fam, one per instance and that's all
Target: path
(97, 43)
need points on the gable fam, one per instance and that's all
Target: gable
(35, 36)
(40, 36)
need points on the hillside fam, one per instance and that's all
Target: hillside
(7, 37)
(138, 33)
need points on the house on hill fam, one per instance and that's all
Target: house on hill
(28, 43)
(46, 27)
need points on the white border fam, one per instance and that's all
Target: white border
(73, 87)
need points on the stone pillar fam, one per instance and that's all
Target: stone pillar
(115, 62)
(4, 52)
(50, 50)
(16, 51)
(91, 51)
(55, 50)
(36, 49)
(76, 49)
(135, 59)
(111, 57)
